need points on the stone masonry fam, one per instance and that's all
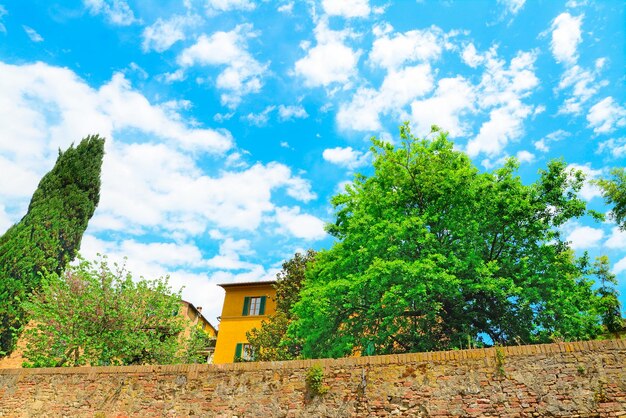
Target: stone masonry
(580, 379)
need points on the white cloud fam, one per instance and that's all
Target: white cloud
(453, 99)
(162, 34)
(502, 91)
(346, 8)
(617, 240)
(566, 36)
(32, 34)
(229, 257)
(583, 237)
(512, 6)
(286, 8)
(214, 6)
(504, 125)
(416, 45)
(471, 57)
(589, 190)
(583, 85)
(299, 225)
(397, 90)
(260, 119)
(525, 157)
(620, 266)
(614, 146)
(345, 157)
(242, 74)
(543, 144)
(292, 112)
(116, 12)
(606, 115)
(330, 60)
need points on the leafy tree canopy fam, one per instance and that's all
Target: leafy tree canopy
(93, 314)
(270, 342)
(432, 254)
(614, 192)
(49, 235)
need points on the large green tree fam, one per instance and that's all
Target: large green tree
(614, 192)
(49, 235)
(270, 342)
(95, 314)
(433, 254)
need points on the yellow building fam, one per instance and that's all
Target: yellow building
(245, 306)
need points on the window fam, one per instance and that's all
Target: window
(244, 352)
(254, 305)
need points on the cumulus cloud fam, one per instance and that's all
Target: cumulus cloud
(346, 8)
(292, 112)
(362, 112)
(501, 91)
(392, 50)
(566, 36)
(616, 147)
(582, 84)
(242, 74)
(116, 12)
(345, 157)
(300, 225)
(606, 115)
(617, 239)
(164, 33)
(544, 143)
(471, 56)
(229, 257)
(330, 60)
(525, 156)
(32, 34)
(453, 99)
(583, 237)
(620, 266)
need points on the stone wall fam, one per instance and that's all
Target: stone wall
(566, 379)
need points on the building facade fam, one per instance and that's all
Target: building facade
(246, 305)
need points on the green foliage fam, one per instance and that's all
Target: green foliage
(432, 254)
(315, 382)
(197, 347)
(610, 307)
(614, 192)
(93, 314)
(270, 342)
(49, 235)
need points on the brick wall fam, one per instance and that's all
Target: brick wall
(567, 379)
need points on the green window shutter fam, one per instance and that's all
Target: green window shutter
(238, 351)
(262, 308)
(246, 306)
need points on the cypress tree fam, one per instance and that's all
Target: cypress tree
(49, 235)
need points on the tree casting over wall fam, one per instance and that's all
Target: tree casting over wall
(432, 254)
(49, 235)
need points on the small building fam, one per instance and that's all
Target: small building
(246, 305)
(194, 318)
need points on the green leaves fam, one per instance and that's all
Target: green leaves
(93, 314)
(433, 254)
(49, 235)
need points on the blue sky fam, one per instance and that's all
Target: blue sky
(230, 123)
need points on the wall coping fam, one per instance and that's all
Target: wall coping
(432, 356)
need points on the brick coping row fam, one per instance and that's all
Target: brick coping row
(432, 356)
